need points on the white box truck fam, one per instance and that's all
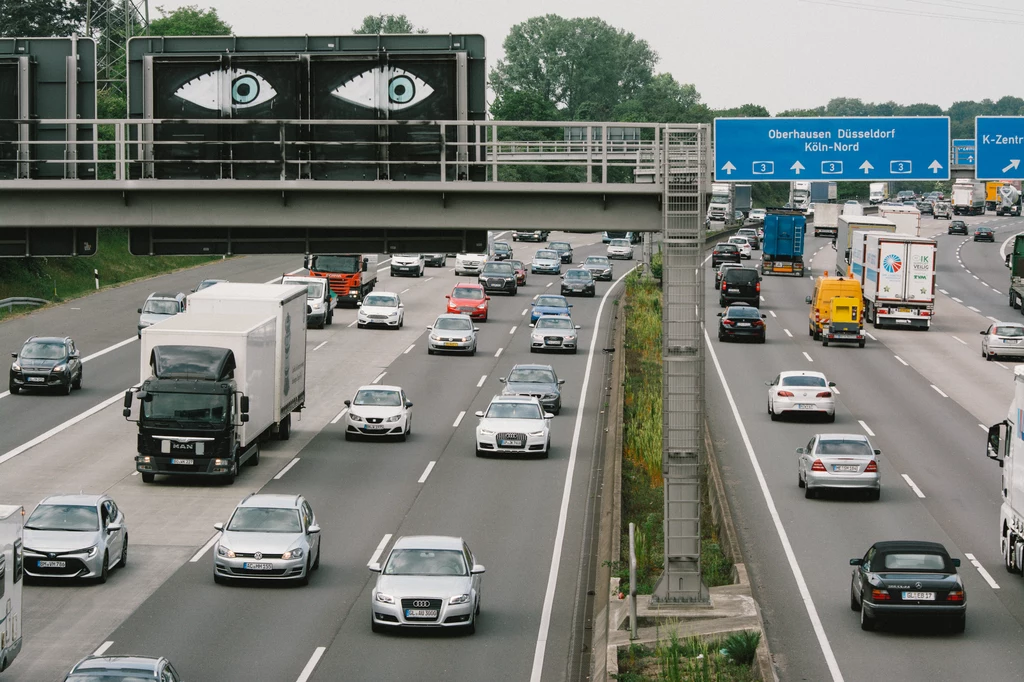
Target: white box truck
(826, 220)
(968, 197)
(11, 538)
(848, 226)
(897, 275)
(206, 394)
(1006, 446)
(287, 303)
(878, 192)
(721, 202)
(800, 195)
(907, 218)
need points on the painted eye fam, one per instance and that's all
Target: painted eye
(248, 89)
(404, 89)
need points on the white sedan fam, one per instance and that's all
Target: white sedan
(743, 245)
(378, 411)
(801, 392)
(514, 425)
(620, 248)
(384, 309)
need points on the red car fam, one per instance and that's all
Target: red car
(469, 298)
(520, 270)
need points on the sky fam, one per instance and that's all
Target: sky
(782, 54)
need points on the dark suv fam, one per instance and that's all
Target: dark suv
(958, 227)
(499, 276)
(564, 250)
(46, 362)
(740, 285)
(725, 253)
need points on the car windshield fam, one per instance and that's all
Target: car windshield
(597, 260)
(619, 242)
(726, 247)
(513, 411)
(546, 255)
(984, 229)
(957, 223)
(803, 381)
(906, 561)
(739, 241)
(551, 302)
(615, 235)
(160, 307)
(41, 350)
(74, 517)
(426, 562)
(501, 246)
(380, 301)
(340, 264)
(1009, 331)
(265, 520)
(497, 269)
(207, 283)
(378, 396)
(454, 323)
(740, 276)
(516, 264)
(844, 447)
(554, 323)
(578, 274)
(191, 407)
(559, 246)
(533, 375)
(111, 676)
(744, 312)
(314, 290)
(471, 293)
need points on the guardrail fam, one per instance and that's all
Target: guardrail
(9, 303)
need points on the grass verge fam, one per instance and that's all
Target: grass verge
(692, 659)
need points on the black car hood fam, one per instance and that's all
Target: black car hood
(28, 364)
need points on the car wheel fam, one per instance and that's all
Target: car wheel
(229, 478)
(374, 626)
(988, 357)
(330, 318)
(349, 436)
(479, 452)
(471, 628)
(105, 570)
(14, 390)
(867, 623)
(403, 436)
(860, 344)
(721, 337)
(762, 339)
(817, 335)
(304, 580)
(532, 349)
(854, 604)
(830, 417)
(148, 478)
(77, 384)
(875, 495)
(67, 388)
(124, 553)
(771, 412)
(957, 624)
(319, 551)
(799, 479)
(809, 492)
(219, 579)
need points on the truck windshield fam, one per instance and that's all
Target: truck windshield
(194, 407)
(342, 264)
(719, 198)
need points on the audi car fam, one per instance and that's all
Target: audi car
(801, 392)
(498, 276)
(381, 309)
(724, 253)
(957, 227)
(554, 332)
(540, 381)
(452, 334)
(984, 234)
(839, 461)
(469, 298)
(378, 411)
(75, 536)
(578, 281)
(46, 362)
(513, 425)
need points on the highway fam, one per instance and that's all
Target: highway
(924, 399)
(528, 522)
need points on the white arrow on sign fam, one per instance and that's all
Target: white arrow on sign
(1014, 163)
(866, 166)
(935, 166)
(728, 168)
(797, 167)
(970, 159)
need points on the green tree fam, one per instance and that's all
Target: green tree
(663, 100)
(41, 18)
(189, 21)
(744, 111)
(374, 24)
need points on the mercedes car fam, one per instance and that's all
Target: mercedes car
(600, 267)
(513, 425)
(540, 381)
(839, 461)
(801, 392)
(123, 669)
(75, 536)
(377, 410)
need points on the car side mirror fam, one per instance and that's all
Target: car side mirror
(764, 317)
(476, 329)
(956, 562)
(448, 296)
(479, 413)
(408, 403)
(114, 527)
(375, 567)
(570, 305)
(561, 381)
(878, 452)
(983, 333)
(856, 562)
(532, 325)
(348, 403)
(479, 568)
(314, 529)
(244, 417)
(831, 384)
(548, 415)
(218, 526)
(487, 298)
(140, 311)
(75, 355)
(14, 355)
(807, 300)
(501, 380)
(579, 327)
(243, 404)
(719, 314)
(799, 451)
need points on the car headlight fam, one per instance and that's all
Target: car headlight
(482, 306)
(550, 396)
(394, 418)
(91, 552)
(225, 552)
(315, 305)
(60, 368)
(536, 434)
(464, 339)
(537, 337)
(384, 598)
(16, 367)
(355, 417)
(485, 432)
(296, 553)
(459, 599)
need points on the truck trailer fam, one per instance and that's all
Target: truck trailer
(897, 275)
(968, 197)
(850, 225)
(1006, 446)
(907, 218)
(826, 220)
(782, 250)
(12, 520)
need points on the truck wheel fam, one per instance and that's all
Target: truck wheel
(1013, 300)
(229, 478)
(824, 342)
(254, 461)
(860, 344)
(148, 478)
(330, 317)
(817, 335)
(284, 429)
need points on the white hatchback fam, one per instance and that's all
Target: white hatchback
(743, 245)
(620, 248)
(801, 392)
(378, 411)
(383, 309)
(1003, 339)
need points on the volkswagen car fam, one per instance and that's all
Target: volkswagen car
(469, 263)
(549, 304)
(578, 281)
(426, 581)
(554, 332)
(546, 261)
(469, 298)
(984, 234)
(563, 249)
(743, 245)
(159, 307)
(1003, 339)
(801, 392)
(408, 265)
(268, 537)
(46, 362)
(513, 425)
(957, 227)
(620, 248)
(123, 669)
(839, 460)
(381, 309)
(540, 381)
(908, 578)
(75, 536)
(600, 267)
(452, 334)
(378, 411)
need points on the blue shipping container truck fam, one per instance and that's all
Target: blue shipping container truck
(782, 252)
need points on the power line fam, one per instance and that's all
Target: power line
(911, 13)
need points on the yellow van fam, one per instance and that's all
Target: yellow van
(825, 288)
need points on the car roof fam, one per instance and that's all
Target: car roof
(554, 316)
(275, 500)
(515, 399)
(48, 339)
(428, 542)
(843, 436)
(379, 387)
(564, 299)
(1009, 324)
(134, 663)
(76, 499)
(471, 285)
(889, 546)
(528, 365)
(801, 373)
(382, 293)
(453, 316)
(165, 294)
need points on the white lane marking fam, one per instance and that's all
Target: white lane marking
(913, 486)
(794, 567)
(409, 349)
(426, 472)
(536, 296)
(905, 363)
(427, 279)
(939, 391)
(205, 548)
(997, 292)
(773, 313)
(380, 549)
(525, 310)
(11, 454)
(960, 340)
(969, 272)
(981, 569)
(404, 290)
(983, 428)
(835, 390)
(340, 415)
(278, 279)
(548, 284)
(481, 382)
(353, 323)
(808, 357)
(307, 672)
(957, 299)
(866, 428)
(458, 420)
(871, 336)
(563, 512)
(944, 291)
(994, 319)
(498, 354)
(321, 345)
(1002, 365)
(986, 284)
(102, 649)
(378, 378)
(971, 307)
(762, 299)
(386, 260)
(788, 333)
(135, 473)
(976, 277)
(286, 468)
(513, 329)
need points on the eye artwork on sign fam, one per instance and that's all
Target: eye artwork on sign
(248, 89)
(404, 89)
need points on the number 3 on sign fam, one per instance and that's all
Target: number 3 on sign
(900, 167)
(764, 168)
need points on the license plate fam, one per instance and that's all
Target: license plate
(742, 324)
(844, 336)
(1010, 340)
(405, 267)
(35, 379)
(249, 565)
(512, 443)
(51, 564)
(421, 613)
(186, 462)
(553, 343)
(451, 345)
(783, 269)
(373, 427)
(845, 467)
(919, 596)
(734, 291)
(906, 310)
(804, 406)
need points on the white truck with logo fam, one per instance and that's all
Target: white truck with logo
(897, 275)
(826, 220)
(11, 562)
(1006, 446)
(907, 218)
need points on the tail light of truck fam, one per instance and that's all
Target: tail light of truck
(785, 394)
(883, 311)
(926, 313)
(818, 466)
(825, 394)
(871, 468)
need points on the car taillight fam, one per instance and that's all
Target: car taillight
(757, 287)
(728, 323)
(880, 595)
(825, 394)
(723, 285)
(871, 468)
(758, 323)
(818, 466)
(955, 595)
(785, 394)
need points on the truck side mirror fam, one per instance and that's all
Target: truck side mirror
(305, 261)
(807, 300)
(128, 403)
(245, 417)
(995, 434)
(366, 262)
(243, 405)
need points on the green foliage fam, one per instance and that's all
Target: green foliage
(110, 104)
(41, 18)
(741, 647)
(745, 111)
(189, 21)
(374, 24)
(692, 659)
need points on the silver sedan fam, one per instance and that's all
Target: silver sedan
(452, 333)
(75, 536)
(801, 392)
(554, 332)
(839, 460)
(1003, 339)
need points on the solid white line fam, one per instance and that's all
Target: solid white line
(513, 329)
(404, 290)
(905, 363)
(1002, 365)
(983, 428)
(790, 335)
(11, 454)
(321, 345)
(773, 313)
(960, 340)
(994, 319)
(353, 323)
(103, 648)
(386, 260)
(340, 415)
(563, 512)
(981, 569)
(801, 583)
(871, 336)
(866, 428)
(106, 350)
(944, 291)
(971, 307)
(458, 420)
(284, 471)
(525, 310)
(307, 672)
(939, 391)
(997, 292)
(278, 279)
(379, 550)
(498, 354)
(481, 382)
(426, 472)
(409, 349)
(808, 357)
(957, 299)
(378, 378)
(204, 549)
(913, 486)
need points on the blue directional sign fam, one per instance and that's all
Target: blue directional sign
(963, 152)
(851, 148)
(1000, 141)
